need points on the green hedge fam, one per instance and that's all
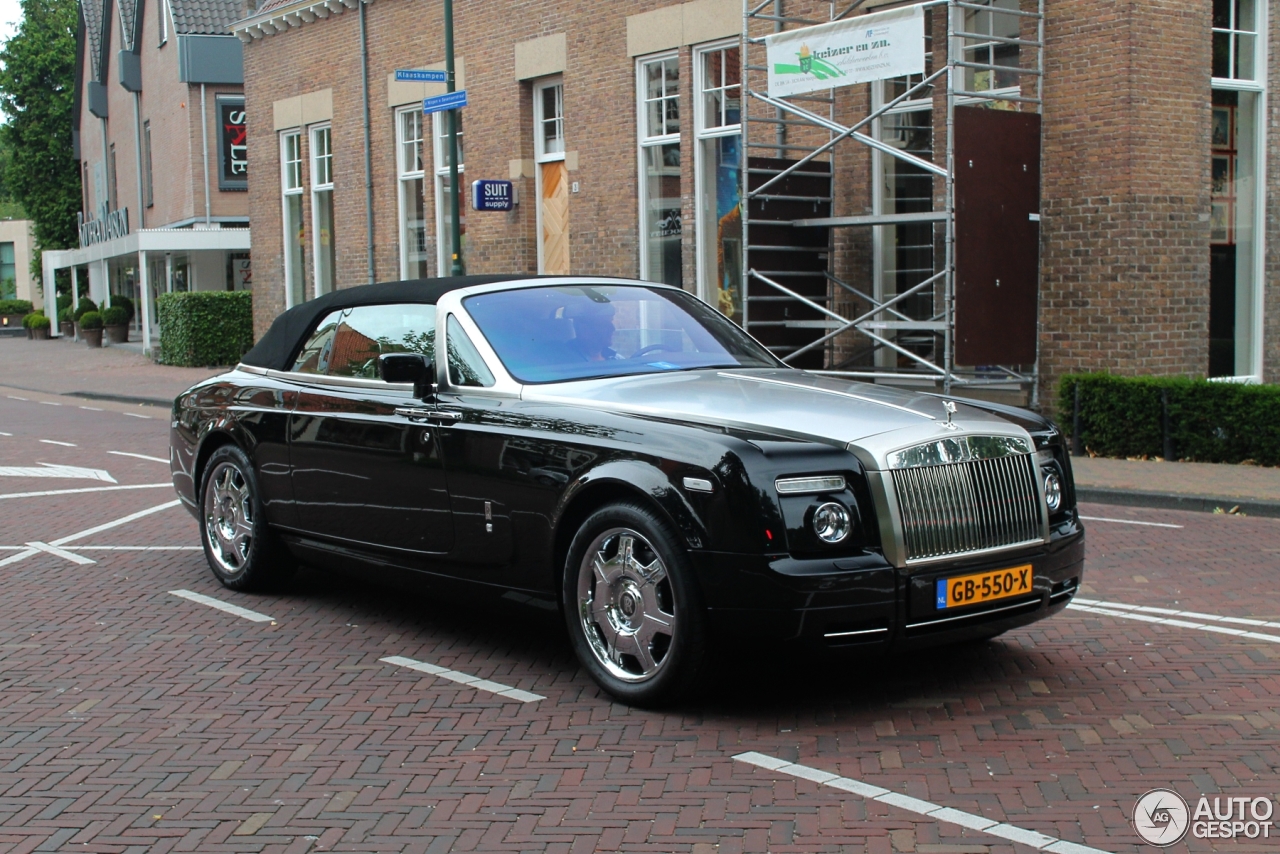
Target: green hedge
(205, 328)
(15, 306)
(1214, 422)
(35, 320)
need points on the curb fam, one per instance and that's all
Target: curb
(1176, 501)
(119, 398)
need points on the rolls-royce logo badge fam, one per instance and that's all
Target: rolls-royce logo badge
(950, 406)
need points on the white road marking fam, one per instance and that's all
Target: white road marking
(86, 489)
(15, 397)
(464, 679)
(55, 442)
(1171, 612)
(223, 606)
(62, 553)
(1129, 613)
(1130, 522)
(136, 415)
(22, 555)
(62, 541)
(91, 408)
(6, 434)
(139, 456)
(48, 403)
(53, 470)
(971, 821)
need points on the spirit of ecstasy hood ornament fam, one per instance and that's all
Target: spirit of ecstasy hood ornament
(950, 406)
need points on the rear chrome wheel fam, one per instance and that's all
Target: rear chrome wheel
(626, 606)
(632, 609)
(241, 549)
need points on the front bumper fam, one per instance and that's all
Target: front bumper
(867, 603)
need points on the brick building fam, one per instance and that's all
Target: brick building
(159, 133)
(619, 124)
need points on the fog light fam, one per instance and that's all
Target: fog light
(831, 522)
(1052, 491)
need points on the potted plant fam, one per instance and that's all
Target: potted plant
(86, 305)
(37, 325)
(91, 328)
(66, 323)
(12, 311)
(115, 320)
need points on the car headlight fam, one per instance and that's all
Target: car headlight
(831, 522)
(1052, 491)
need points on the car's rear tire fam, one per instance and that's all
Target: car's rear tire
(634, 615)
(242, 551)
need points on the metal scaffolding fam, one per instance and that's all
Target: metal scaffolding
(793, 296)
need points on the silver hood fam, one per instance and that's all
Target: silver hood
(871, 421)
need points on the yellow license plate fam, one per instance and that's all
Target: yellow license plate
(984, 586)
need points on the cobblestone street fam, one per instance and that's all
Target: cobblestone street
(143, 707)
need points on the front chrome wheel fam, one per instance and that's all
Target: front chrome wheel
(626, 605)
(228, 517)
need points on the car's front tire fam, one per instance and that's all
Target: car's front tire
(632, 608)
(242, 551)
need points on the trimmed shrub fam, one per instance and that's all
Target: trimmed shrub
(35, 320)
(205, 328)
(91, 320)
(64, 315)
(64, 301)
(116, 315)
(1213, 422)
(121, 301)
(15, 306)
(86, 305)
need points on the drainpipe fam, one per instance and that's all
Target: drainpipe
(368, 156)
(204, 141)
(137, 138)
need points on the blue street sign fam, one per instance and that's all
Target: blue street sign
(492, 195)
(447, 101)
(412, 75)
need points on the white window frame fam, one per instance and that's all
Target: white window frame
(440, 160)
(646, 141)
(701, 133)
(540, 154)
(1258, 87)
(405, 175)
(317, 187)
(286, 190)
(959, 48)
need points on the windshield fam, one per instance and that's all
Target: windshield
(545, 335)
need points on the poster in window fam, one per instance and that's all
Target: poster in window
(233, 160)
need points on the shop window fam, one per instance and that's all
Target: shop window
(718, 177)
(552, 177)
(658, 88)
(444, 217)
(295, 239)
(322, 223)
(414, 251)
(8, 272)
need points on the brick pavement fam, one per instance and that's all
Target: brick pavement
(132, 720)
(62, 366)
(1227, 481)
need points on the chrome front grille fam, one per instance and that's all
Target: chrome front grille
(968, 506)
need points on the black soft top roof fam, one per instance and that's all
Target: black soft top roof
(276, 349)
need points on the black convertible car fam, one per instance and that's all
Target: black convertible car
(622, 447)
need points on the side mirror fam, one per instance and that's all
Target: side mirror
(412, 368)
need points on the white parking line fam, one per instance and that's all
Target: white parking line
(1131, 612)
(136, 415)
(55, 442)
(135, 548)
(1171, 612)
(86, 489)
(222, 606)
(1130, 522)
(91, 408)
(62, 541)
(62, 553)
(15, 397)
(971, 821)
(139, 456)
(464, 679)
(6, 434)
(49, 403)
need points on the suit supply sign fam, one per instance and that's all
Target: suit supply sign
(492, 195)
(869, 47)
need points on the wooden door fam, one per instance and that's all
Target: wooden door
(555, 218)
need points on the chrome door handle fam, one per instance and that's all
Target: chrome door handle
(419, 414)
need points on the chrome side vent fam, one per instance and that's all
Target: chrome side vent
(969, 506)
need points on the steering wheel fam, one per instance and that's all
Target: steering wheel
(661, 345)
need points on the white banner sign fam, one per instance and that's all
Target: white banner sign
(869, 47)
